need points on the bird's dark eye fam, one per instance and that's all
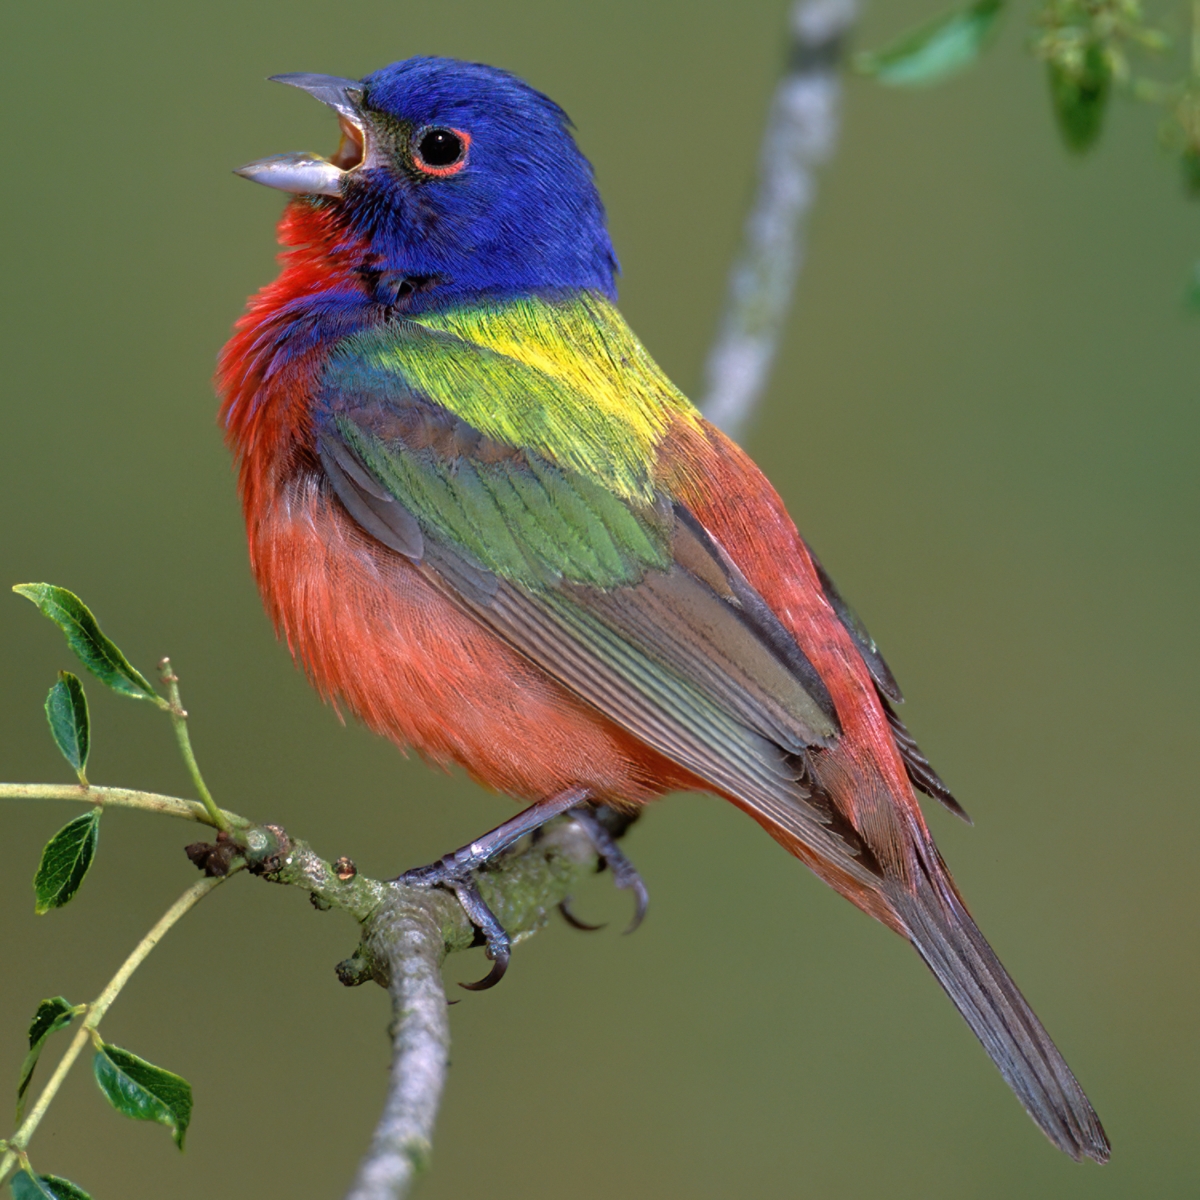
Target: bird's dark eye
(440, 151)
(440, 148)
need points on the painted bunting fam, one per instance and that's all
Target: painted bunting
(488, 525)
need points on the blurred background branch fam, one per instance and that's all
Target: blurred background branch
(1088, 47)
(801, 133)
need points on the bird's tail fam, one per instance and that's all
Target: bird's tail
(949, 941)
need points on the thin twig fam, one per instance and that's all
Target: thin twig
(801, 133)
(95, 1014)
(179, 718)
(110, 797)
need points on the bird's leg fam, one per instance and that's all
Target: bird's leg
(598, 822)
(454, 873)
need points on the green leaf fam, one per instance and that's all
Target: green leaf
(45, 1187)
(51, 1016)
(84, 636)
(936, 50)
(1079, 95)
(65, 861)
(67, 712)
(143, 1091)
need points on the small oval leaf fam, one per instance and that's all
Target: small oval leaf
(51, 1016)
(1080, 97)
(100, 655)
(45, 1187)
(67, 712)
(65, 861)
(143, 1091)
(936, 50)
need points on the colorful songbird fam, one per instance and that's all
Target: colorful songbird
(488, 525)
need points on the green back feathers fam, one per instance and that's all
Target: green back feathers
(571, 409)
(566, 379)
(521, 516)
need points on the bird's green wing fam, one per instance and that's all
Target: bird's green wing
(623, 599)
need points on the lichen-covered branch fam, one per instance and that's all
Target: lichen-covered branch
(405, 942)
(406, 934)
(800, 136)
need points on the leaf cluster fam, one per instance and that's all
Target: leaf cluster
(1087, 46)
(131, 1085)
(134, 1087)
(1091, 49)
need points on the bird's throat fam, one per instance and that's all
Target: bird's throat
(280, 344)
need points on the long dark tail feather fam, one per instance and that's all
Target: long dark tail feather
(949, 941)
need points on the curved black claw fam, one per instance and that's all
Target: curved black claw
(625, 874)
(564, 907)
(452, 877)
(499, 946)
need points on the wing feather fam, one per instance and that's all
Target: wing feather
(918, 768)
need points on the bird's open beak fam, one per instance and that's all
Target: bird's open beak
(310, 174)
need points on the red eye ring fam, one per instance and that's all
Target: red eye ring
(439, 142)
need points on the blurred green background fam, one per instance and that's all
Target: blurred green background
(984, 420)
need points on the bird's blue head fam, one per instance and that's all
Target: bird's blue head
(459, 178)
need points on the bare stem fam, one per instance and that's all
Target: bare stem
(95, 1014)
(110, 797)
(800, 136)
(178, 716)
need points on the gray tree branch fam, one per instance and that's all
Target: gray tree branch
(801, 132)
(406, 934)
(409, 942)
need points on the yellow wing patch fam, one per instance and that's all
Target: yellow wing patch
(585, 344)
